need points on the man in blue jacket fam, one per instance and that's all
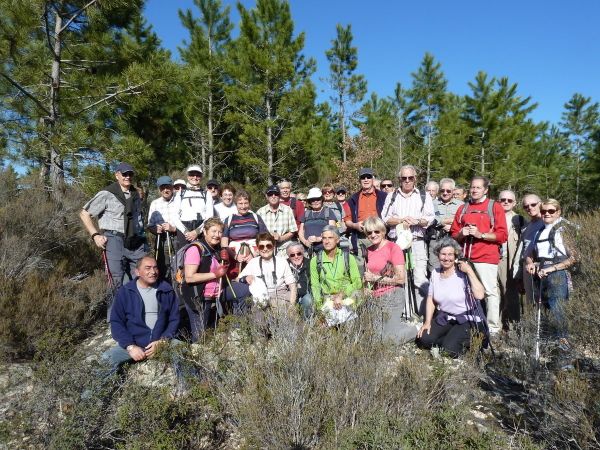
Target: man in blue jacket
(145, 314)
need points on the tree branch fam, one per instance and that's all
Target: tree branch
(24, 91)
(76, 15)
(128, 90)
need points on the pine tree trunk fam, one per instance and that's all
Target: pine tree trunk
(55, 162)
(342, 123)
(482, 154)
(429, 146)
(400, 154)
(210, 133)
(269, 142)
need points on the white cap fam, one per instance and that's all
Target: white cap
(194, 168)
(314, 193)
(179, 181)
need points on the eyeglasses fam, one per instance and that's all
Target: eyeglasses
(327, 192)
(369, 233)
(272, 194)
(531, 205)
(265, 246)
(127, 175)
(366, 177)
(507, 200)
(293, 255)
(386, 185)
(445, 191)
(548, 211)
(403, 179)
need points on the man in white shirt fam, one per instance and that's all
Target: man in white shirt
(194, 206)
(414, 210)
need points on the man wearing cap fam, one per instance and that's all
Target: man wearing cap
(120, 231)
(213, 187)
(285, 189)
(279, 219)
(160, 223)
(365, 203)
(414, 210)
(194, 206)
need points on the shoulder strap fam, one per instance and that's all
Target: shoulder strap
(462, 212)
(394, 195)
(346, 252)
(423, 194)
(293, 204)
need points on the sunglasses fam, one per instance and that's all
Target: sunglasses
(411, 178)
(377, 232)
(446, 191)
(272, 194)
(531, 205)
(366, 177)
(195, 175)
(212, 188)
(293, 255)
(340, 193)
(165, 186)
(548, 211)
(507, 200)
(265, 246)
(386, 185)
(327, 192)
(127, 175)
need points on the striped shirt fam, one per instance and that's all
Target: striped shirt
(240, 228)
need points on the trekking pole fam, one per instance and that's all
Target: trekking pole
(109, 277)
(157, 245)
(539, 318)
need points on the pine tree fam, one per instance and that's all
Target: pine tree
(204, 54)
(349, 87)
(271, 95)
(62, 72)
(580, 122)
(427, 98)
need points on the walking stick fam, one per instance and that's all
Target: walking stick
(157, 245)
(539, 318)
(109, 277)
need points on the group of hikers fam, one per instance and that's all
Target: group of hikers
(436, 265)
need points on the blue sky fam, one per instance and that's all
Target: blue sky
(550, 48)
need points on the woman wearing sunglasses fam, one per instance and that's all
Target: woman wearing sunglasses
(548, 258)
(385, 277)
(273, 271)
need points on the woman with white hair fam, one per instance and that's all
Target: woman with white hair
(452, 311)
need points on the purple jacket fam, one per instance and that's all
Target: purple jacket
(127, 324)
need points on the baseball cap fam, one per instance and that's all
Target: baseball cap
(194, 168)
(179, 181)
(341, 189)
(365, 171)
(273, 189)
(213, 183)
(124, 167)
(164, 180)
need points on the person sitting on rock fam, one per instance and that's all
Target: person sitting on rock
(144, 317)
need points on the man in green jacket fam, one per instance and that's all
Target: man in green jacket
(334, 274)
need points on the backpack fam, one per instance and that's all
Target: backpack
(559, 255)
(321, 271)
(178, 266)
(489, 212)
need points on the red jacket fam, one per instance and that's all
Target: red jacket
(477, 214)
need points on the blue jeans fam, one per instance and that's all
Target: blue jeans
(555, 294)
(117, 356)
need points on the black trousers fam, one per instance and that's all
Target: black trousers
(453, 338)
